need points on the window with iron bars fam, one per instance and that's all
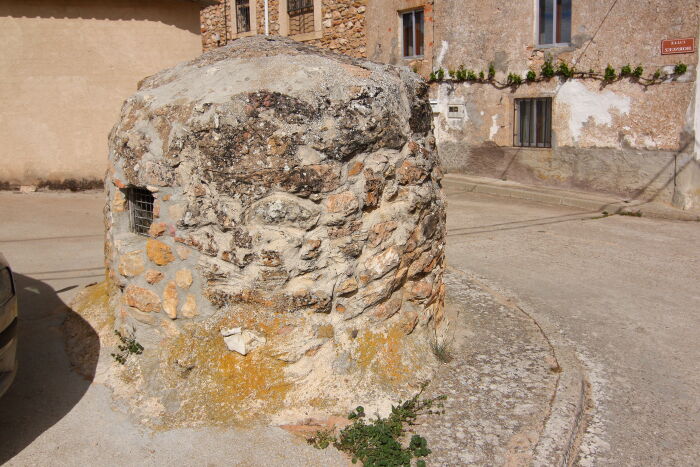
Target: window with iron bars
(140, 210)
(301, 16)
(242, 16)
(533, 122)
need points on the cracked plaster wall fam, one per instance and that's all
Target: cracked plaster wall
(621, 139)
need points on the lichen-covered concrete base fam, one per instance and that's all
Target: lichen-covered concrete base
(297, 197)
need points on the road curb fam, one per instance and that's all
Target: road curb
(558, 442)
(588, 201)
(565, 423)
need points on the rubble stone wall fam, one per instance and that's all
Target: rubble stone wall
(341, 27)
(298, 219)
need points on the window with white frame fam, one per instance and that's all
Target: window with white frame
(533, 122)
(412, 33)
(554, 22)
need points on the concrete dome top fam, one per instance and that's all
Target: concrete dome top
(332, 94)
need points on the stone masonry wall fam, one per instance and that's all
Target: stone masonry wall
(215, 21)
(296, 256)
(342, 28)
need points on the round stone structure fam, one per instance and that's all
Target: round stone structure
(275, 234)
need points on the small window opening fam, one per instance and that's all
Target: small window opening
(301, 16)
(140, 209)
(412, 25)
(533, 122)
(455, 111)
(242, 16)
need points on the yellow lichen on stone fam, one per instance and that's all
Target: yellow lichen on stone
(89, 323)
(159, 252)
(224, 386)
(383, 354)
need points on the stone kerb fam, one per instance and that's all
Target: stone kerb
(294, 262)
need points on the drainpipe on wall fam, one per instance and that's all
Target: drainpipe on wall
(267, 20)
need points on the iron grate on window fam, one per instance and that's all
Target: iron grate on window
(533, 122)
(242, 16)
(141, 210)
(301, 16)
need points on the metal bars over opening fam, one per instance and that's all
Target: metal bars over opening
(242, 16)
(301, 16)
(533, 122)
(140, 210)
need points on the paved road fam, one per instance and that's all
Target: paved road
(623, 292)
(53, 416)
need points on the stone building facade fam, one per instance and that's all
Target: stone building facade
(338, 25)
(625, 136)
(629, 136)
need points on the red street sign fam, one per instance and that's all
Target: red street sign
(678, 46)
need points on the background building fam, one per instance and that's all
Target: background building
(66, 68)
(630, 137)
(336, 24)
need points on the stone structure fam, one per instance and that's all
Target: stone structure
(338, 25)
(298, 219)
(65, 69)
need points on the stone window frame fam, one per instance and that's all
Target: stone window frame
(318, 22)
(253, 20)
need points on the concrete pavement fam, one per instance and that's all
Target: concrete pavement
(621, 293)
(617, 293)
(54, 416)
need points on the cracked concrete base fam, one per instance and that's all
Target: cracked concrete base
(513, 399)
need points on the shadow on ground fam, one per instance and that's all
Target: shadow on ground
(45, 388)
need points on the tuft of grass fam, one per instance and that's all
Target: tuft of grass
(630, 213)
(442, 349)
(129, 346)
(377, 442)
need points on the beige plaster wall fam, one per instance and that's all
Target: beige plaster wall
(67, 65)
